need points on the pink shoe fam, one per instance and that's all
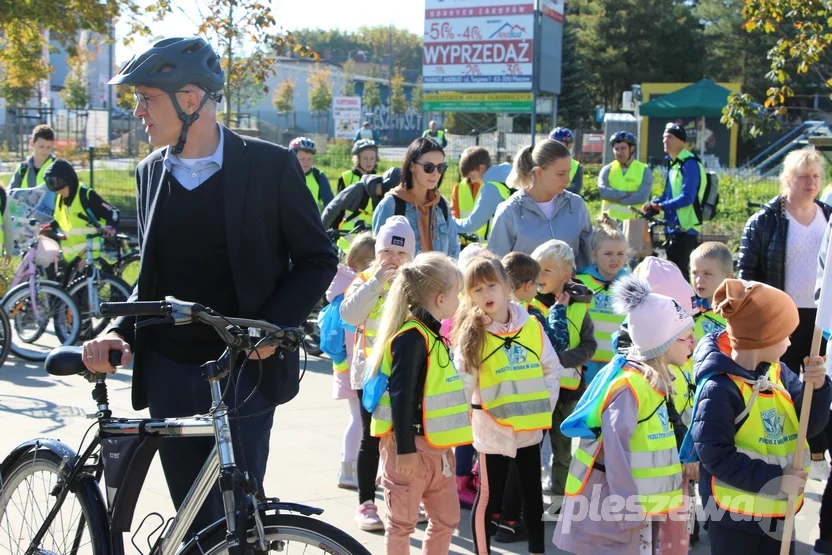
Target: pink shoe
(367, 519)
(467, 491)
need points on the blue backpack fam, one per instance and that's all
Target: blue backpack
(576, 424)
(332, 331)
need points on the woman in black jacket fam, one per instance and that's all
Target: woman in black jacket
(780, 246)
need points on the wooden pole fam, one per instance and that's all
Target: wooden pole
(788, 527)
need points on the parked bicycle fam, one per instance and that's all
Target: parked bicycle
(120, 257)
(32, 303)
(51, 502)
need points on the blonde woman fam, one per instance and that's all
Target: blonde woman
(542, 209)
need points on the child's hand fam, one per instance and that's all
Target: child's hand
(406, 464)
(793, 481)
(690, 471)
(563, 299)
(814, 371)
(386, 272)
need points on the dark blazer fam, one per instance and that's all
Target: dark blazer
(763, 246)
(281, 259)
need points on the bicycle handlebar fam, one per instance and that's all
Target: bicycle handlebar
(137, 308)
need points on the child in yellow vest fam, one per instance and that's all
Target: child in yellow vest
(482, 188)
(358, 260)
(513, 374)
(629, 471)
(422, 411)
(745, 420)
(364, 161)
(711, 263)
(609, 264)
(363, 307)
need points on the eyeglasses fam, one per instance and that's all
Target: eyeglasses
(430, 167)
(141, 98)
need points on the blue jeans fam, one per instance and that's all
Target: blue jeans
(179, 390)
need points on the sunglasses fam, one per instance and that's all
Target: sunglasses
(430, 167)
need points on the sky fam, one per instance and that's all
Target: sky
(297, 14)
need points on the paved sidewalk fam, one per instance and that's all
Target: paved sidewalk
(305, 449)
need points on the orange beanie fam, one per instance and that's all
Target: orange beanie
(757, 315)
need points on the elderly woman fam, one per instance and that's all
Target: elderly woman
(542, 208)
(780, 246)
(419, 200)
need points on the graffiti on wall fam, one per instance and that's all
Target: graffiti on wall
(384, 120)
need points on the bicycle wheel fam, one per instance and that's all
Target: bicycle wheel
(128, 268)
(5, 336)
(27, 497)
(30, 315)
(285, 533)
(110, 290)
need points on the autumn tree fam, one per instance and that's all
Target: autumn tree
(76, 93)
(284, 98)
(348, 71)
(320, 91)
(371, 99)
(416, 96)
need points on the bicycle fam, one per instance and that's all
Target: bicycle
(53, 470)
(32, 302)
(659, 248)
(120, 257)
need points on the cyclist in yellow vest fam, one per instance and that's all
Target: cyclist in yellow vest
(710, 264)
(623, 184)
(576, 173)
(438, 135)
(363, 307)
(364, 161)
(630, 455)
(745, 421)
(682, 197)
(513, 372)
(316, 181)
(31, 172)
(422, 410)
(475, 199)
(78, 205)
(354, 206)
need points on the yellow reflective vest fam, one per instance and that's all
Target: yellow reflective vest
(40, 179)
(605, 320)
(74, 227)
(769, 434)
(445, 418)
(467, 201)
(315, 189)
(687, 215)
(628, 182)
(573, 170)
(684, 390)
(349, 177)
(512, 389)
(654, 457)
(707, 322)
(366, 333)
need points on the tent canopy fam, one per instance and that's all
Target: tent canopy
(703, 98)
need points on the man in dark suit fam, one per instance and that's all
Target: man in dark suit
(226, 221)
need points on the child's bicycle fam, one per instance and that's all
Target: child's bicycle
(51, 502)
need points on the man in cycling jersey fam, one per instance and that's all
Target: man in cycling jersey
(226, 221)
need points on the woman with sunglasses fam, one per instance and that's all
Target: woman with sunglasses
(542, 209)
(418, 199)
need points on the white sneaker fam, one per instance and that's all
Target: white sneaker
(423, 516)
(367, 519)
(819, 470)
(348, 475)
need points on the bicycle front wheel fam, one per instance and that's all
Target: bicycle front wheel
(27, 496)
(128, 268)
(110, 289)
(285, 533)
(30, 315)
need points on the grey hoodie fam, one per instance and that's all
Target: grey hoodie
(350, 199)
(520, 225)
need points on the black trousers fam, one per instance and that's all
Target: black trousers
(178, 390)
(368, 457)
(494, 471)
(728, 540)
(678, 249)
(799, 349)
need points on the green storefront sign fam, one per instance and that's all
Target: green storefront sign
(511, 103)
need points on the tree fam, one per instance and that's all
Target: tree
(397, 99)
(243, 89)
(375, 41)
(348, 70)
(802, 50)
(76, 93)
(125, 99)
(371, 99)
(320, 91)
(575, 100)
(284, 96)
(416, 96)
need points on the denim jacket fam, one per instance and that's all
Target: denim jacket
(445, 235)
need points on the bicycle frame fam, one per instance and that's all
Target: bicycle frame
(28, 270)
(91, 276)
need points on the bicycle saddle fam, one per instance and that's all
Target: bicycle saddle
(68, 361)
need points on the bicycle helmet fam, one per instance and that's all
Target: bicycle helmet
(172, 64)
(60, 175)
(623, 137)
(303, 143)
(562, 134)
(362, 145)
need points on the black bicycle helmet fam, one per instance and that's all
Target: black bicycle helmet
(623, 137)
(60, 175)
(172, 64)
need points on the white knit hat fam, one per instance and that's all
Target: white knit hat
(655, 321)
(396, 233)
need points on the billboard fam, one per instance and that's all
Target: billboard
(346, 113)
(475, 45)
(508, 103)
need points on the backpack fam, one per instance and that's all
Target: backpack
(401, 207)
(332, 331)
(706, 208)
